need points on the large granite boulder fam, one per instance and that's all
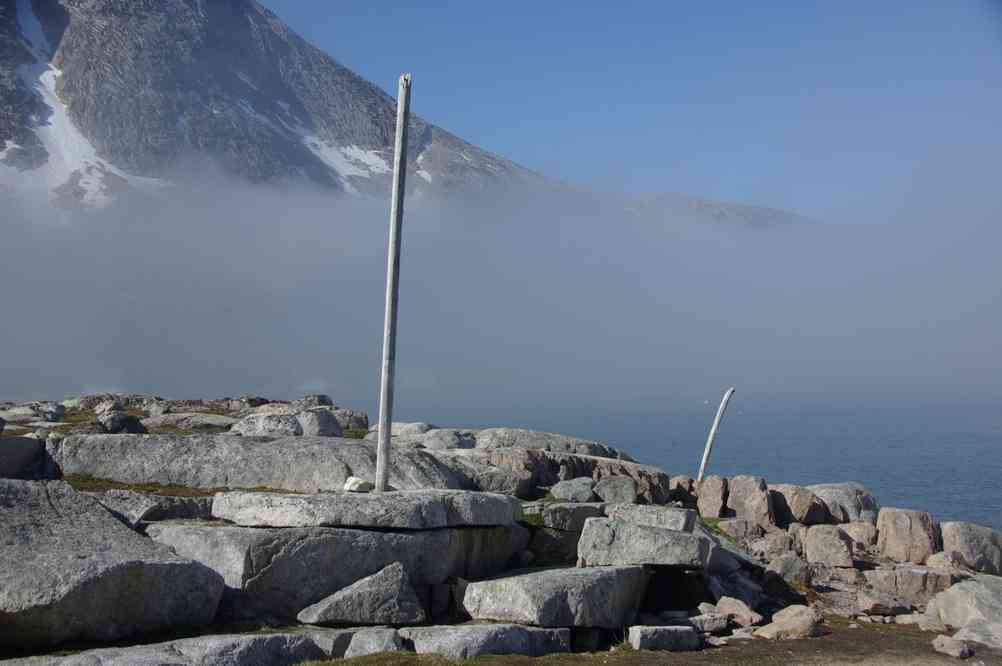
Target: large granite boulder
(470, 641)
(565, 516)
(406, 509)
(976, 599)
(792, 622)
(982, 633)
(301, 464)
(617, 490)
(797, 504)
(195, 421)
(847, 502)
(863, 534)
(385, 597)
(319, 422)
(518, 438)
(907, 536)
(70, 571)
(268, 425)
(748, 498)
(351, 419)
(594, 597)
(712, 496)
(605, 541)
(827, 545)
(527, 472)
(977, 547)
(272, 574)
(581, 489)
(913, 584)
(373, 641)
(276, 649)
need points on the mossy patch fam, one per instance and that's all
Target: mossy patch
(355, 433)
(86, 483)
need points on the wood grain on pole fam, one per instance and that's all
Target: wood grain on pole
(713, 433)
(392, 285)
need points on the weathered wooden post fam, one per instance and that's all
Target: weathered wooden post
(713, 432)
(392, 284)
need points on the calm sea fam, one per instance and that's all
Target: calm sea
(945, 459)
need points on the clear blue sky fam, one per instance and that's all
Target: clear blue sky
(817, 107)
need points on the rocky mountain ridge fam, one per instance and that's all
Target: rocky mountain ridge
(104, 97)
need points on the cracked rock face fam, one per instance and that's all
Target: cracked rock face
(70, 571)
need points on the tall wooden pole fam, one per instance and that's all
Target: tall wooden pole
(713, 432)
(392, 285)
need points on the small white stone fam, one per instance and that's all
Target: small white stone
(353, 484)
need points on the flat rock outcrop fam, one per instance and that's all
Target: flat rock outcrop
(605, 541)
(594, 597)
(470, 641)
(406, 509)
(301, 464)
(519, 438)
(665, 517)
(135, 509)
(664, 639)
(275, 573)
(977, 547)
(279, 649)
(71, 571)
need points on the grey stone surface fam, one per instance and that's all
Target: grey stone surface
(351, 418)
(617, 490)
(913, 584)
(848, 502)
(863, 534)
(118, 422)
(470, 641)
(275, 573)
(319, 422)
(793, 569)
(979, 548)
(976, 599)
(797, 504)
(748, 498)
(524, 472)
(373, 641)
(406, 509)
(666, 639)
(708, 623)
(301, 464)
(792, 622)
(874, 602)
(353, 484)
(666, 517)
(136, 508)
(609, 542)
(552, 546)
(712, 498)
(189, 421)
(20, 457)
(906, 536)
(581, 489)
(268, 425)
(828, 545)
(951, 647)
(71, 571)
(592, 597)
(738, 611)
(740, 529)
(494, 438)
(983, 633)
(770, 546)
(277, 649)
(385, 597)
(566, 516)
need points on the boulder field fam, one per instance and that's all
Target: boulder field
(129, 519)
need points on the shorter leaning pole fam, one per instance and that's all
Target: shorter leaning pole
(713, 432)
(392, 285)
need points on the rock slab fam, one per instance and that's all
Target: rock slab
(70, 571)
(385, 597)
(409, 510)
(605, 597)
(606, 542)
(474, 640)
(979, 548)
(667, 639)
(906, 536)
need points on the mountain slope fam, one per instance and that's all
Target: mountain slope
(102, 96)
(120, 89)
